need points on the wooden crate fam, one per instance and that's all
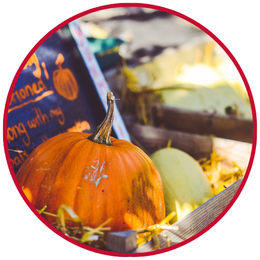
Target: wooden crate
(186, 228)
(194, 222)
(150, 139)
(203, 123)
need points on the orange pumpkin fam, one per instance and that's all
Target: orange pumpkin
(98, 176)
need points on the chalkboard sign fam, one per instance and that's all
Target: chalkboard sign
(60, 89)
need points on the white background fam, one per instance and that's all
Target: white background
(24, 23)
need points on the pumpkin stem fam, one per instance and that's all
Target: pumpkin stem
(60, 59)
(103, 131)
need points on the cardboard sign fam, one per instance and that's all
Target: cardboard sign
(55, 93)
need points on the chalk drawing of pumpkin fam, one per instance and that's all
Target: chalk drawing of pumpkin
(64, 80)
(79, 127)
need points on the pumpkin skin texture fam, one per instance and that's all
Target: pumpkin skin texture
(96, 180)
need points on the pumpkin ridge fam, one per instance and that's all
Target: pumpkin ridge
(125, 191)
(110, 153)
(41, 183)
(135, 206)
(141, 181)
(97, 149)
(96, 192)
(133, 202)
(81, 170)
(29, 166)
(149, 182)
(124, 194)
(27, 163)
(90, 150)
(105, 151)
(70, 148)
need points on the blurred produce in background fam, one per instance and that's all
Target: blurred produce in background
(176, 85)
(162, 51)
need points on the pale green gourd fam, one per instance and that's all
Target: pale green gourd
(185, 185)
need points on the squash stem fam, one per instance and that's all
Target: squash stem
(103, 131)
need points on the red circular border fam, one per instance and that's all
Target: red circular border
(203, 29)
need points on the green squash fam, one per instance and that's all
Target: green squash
(185, 184)
(210, 99)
